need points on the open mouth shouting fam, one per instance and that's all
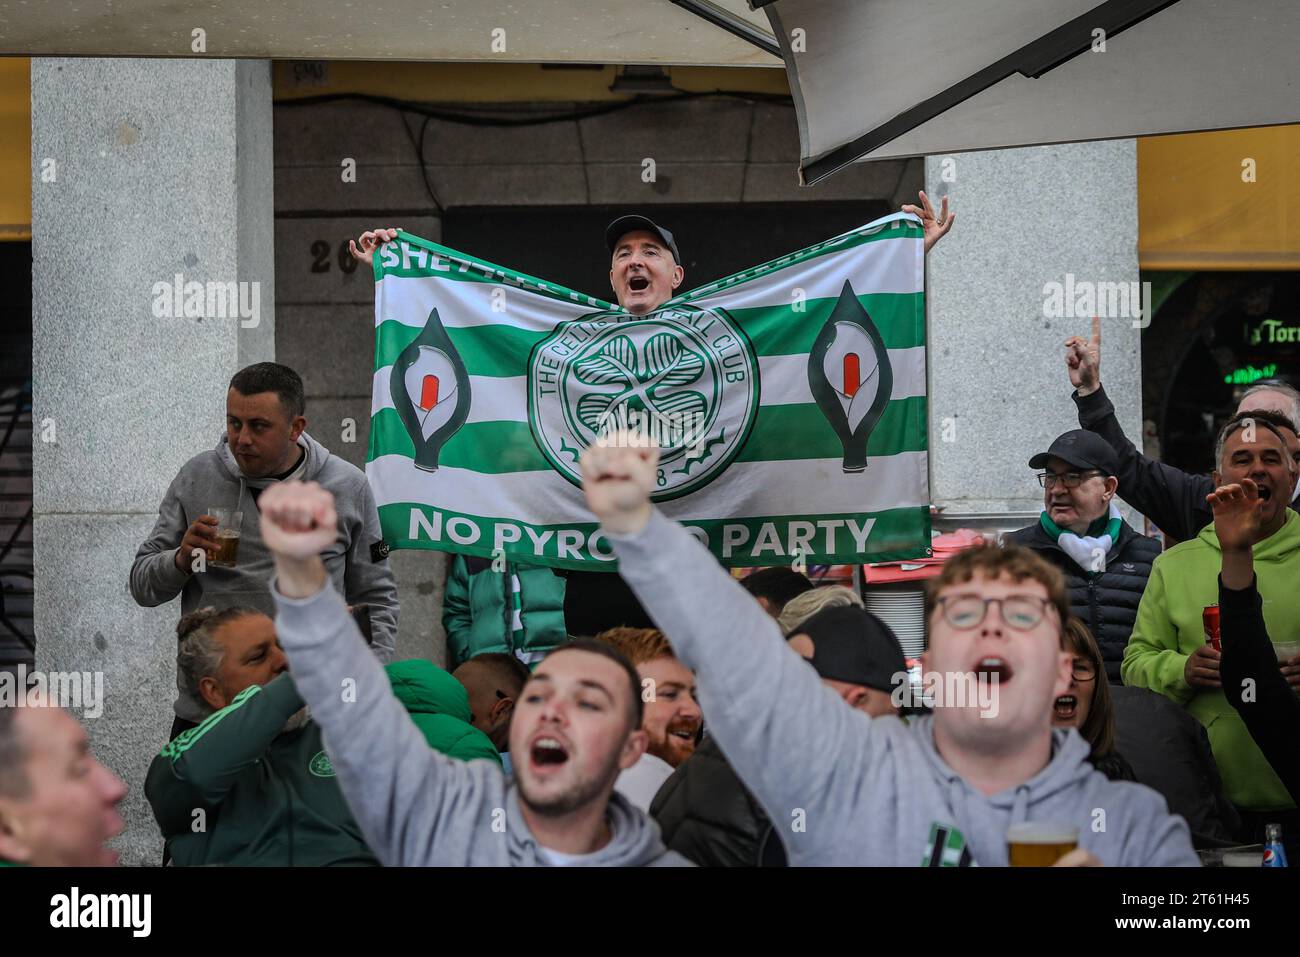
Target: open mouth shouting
(683, 734)
(678, 741)
(547, 752)
(1066, 707)
(638, 283)
(992, 668)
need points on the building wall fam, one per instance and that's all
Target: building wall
(148, 186)
(999, 389)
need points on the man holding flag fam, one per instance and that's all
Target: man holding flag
(645, 273)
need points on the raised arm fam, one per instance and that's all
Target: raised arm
(407, 798)
(1252, 681)
(787, 735)
(201, 765)
(1170, 497)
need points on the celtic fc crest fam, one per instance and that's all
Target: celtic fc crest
(320, 765)
(686, 376)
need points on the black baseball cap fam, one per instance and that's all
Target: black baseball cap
(851, 644)
(626, 224)
(1081, 449)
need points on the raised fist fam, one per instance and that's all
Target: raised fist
(298, 519)
(618, 474)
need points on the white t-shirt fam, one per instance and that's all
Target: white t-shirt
(641, 782)
(560, 859)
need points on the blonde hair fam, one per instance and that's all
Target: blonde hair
(802, 607)
(638, 645)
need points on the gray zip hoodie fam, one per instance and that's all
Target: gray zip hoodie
(416, 807)
(847, 789)
(213, 479)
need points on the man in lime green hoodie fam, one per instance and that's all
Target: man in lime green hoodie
(1168, 652)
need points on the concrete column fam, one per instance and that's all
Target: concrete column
(999, 391)
(161, 167)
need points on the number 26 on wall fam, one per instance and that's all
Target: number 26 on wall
(320, 251)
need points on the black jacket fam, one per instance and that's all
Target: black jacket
(1107, 602)
(1114, 766)
(1173, 499)
(1169, 751)
(1273, 716)
(709, 817)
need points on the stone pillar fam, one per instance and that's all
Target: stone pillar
(999, 391)
(161, 167)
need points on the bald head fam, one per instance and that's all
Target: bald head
(493, 683)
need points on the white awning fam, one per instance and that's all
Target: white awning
(657, 32)
(878, 79)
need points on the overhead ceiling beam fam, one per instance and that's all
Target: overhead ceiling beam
(732, 24)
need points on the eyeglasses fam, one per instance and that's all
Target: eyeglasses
(1083, 670)
(1069, 479)
(1021, 612)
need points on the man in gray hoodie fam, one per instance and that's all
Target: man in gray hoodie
(576, 726)
(265, 443)
(849, 789)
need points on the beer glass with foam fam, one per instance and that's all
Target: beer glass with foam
(1040, 843)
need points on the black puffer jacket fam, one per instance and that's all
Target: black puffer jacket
(709, 817)
(1169, 751)
(1107, 603)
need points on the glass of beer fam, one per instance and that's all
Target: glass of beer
(1040, 843)
(1286, 649)
(228, 523)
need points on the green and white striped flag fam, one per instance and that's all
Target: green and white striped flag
(788, 401)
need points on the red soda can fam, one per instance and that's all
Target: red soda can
(1210, 621)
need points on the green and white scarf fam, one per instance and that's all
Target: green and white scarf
(1088, 551)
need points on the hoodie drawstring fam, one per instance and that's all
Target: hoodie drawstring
(1020, 809)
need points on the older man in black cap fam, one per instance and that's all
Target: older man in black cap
(645, 267)
(705, 811)
(1105, 562)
